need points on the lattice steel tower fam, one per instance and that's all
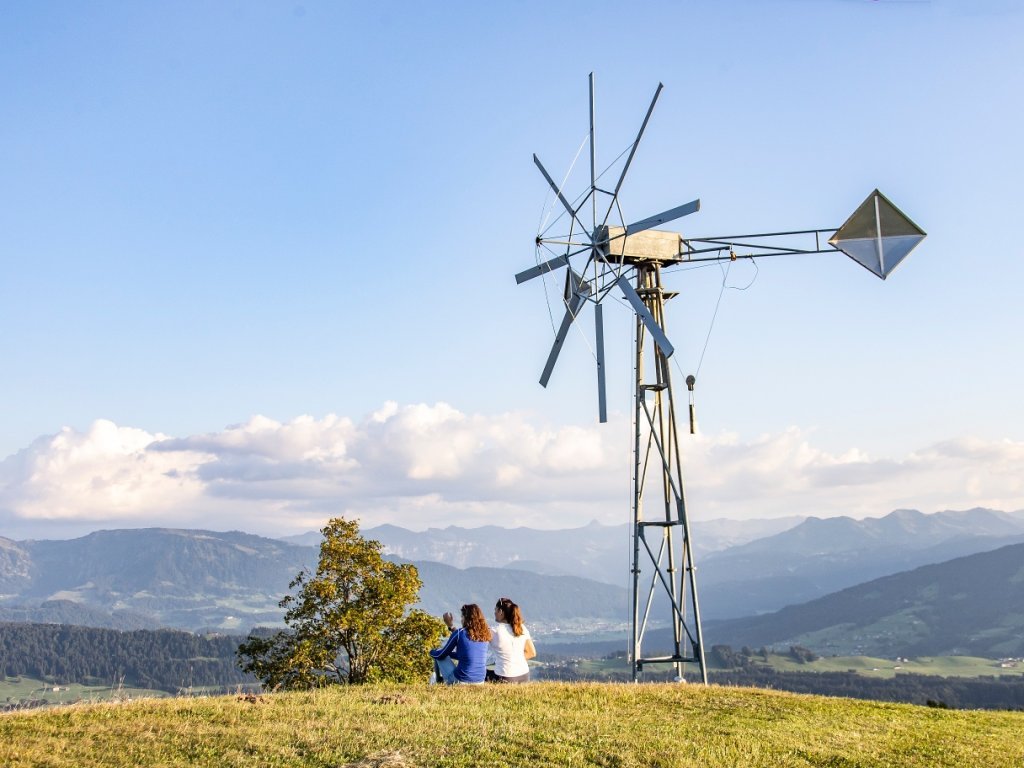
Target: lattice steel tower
(629, 259)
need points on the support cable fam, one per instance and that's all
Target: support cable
(541, 230)
(718, 303)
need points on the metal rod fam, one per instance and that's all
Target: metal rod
(579, 244)
(634, 649)
(602, 400)
(658, 575)
(664, 377)
(654, 579)
(734, 257)
(664, 462)
(632, 151)
(733, 245)
(557, 191)
(765, 234)
(696, 605)
(593, 179)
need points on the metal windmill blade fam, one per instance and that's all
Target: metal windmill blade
(605, 254)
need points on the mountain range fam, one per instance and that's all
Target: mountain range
(820, 556)
(744, 567)
(151, 577)
(970, 606)
(232, 581)
(593, 551)
(158, 577)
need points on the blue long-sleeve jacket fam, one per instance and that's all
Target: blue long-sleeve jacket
(471, 655)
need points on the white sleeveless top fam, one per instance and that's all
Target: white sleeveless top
(509, 651)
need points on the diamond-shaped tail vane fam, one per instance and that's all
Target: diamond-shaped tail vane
(878, 235)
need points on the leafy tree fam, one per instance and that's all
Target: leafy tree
(802, 655)
(348, 622)
(726, 658)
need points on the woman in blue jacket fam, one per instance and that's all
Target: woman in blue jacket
(466, 645)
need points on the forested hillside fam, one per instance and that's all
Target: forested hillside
(166, 660)
(80, 614)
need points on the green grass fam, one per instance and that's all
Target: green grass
(541, 724)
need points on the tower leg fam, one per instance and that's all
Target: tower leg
(660, 536)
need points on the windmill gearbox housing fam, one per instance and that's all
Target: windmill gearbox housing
(645, 247)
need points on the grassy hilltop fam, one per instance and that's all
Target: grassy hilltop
(542, 724)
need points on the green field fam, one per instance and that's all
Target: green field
(24, 689)
(942, 666)
(541, 724)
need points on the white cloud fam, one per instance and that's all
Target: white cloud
(785, 474)
(423, 465)
(108, 473)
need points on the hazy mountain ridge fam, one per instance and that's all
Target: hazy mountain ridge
(744, 567)
(904, 527)
(231, 581)
(547, 601)
(15, 566)
(194, 579)
(162, 560)
(821, 556)
(594, 551)
(971, 605)
(159, 577)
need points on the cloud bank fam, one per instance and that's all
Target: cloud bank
(422, 466)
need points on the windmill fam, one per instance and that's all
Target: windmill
(604, 256)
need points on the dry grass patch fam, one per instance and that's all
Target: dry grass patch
(384, 760)
(542, 724)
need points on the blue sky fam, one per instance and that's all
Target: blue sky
(216, 218)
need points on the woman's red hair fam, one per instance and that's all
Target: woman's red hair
(475, 623)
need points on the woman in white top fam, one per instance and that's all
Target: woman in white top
(511, 645)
